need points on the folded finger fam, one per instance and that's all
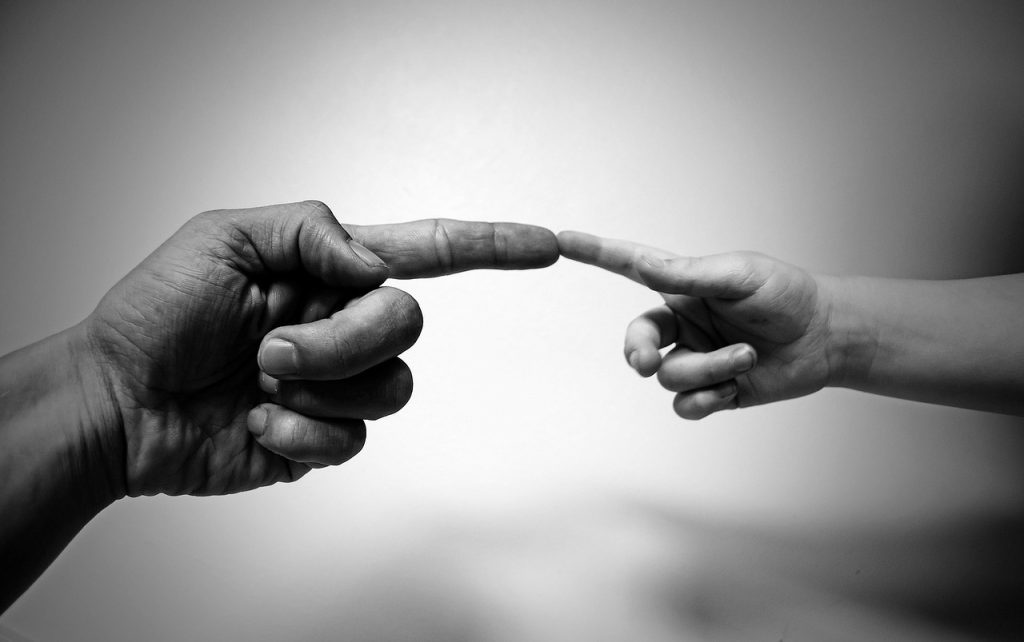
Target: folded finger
(295, 236)
(378, 392)
(698, 404)
(305, 439)
(684, 369)
(646, 336)
(435, 247)
(368, 331)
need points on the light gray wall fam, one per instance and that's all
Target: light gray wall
(872, 138)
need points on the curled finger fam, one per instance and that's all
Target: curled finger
(368, 331)
(683, 369)
(378, 392)
(646, 335)
(305, 439)
(698, 404)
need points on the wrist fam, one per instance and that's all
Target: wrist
(100, 414)
(57, 448)
(59, 415)
(852, 338)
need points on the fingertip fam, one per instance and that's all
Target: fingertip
(647, 362)
(306, 439)
(698, 404)
(571, 244)
(545, 247)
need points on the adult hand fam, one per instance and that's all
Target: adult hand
(289, 288)
(747, 329)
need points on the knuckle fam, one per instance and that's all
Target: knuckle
(356, 437)
(405, 312)
(297, 396)
(342, 350)
(750, 268)
(317, 209)
(209, 220)
(667, 378)
(400, 386)
(345, 441)
(678, 372)
(717, 369)
(287, 430)
(443, 245)
(391, 393)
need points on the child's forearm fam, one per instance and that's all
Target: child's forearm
(958, 343)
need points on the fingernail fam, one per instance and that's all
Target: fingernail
(727, 390)
(269, 384)
(744, 359)
(632, 359)
(653, 261)
(278, 357)
(366, 255)
(257, 420)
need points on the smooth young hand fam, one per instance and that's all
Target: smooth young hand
(747, 329)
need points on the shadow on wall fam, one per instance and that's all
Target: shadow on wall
(666, 575)
(632, 570)
(998, 227)
(950, 187)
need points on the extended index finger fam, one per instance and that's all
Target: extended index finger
(435, 247)
(614, 255)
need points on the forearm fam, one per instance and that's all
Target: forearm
(958, 343)
(54, 455)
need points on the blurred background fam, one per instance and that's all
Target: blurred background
(535, 488)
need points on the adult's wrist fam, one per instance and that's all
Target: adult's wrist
(101, 418)
(58, 453)
(60, 415)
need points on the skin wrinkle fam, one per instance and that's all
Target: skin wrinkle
(173, 353)
(443, 246)
(500, 245)
(242, 243)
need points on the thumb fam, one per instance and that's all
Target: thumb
(301, 236)
(734, 275)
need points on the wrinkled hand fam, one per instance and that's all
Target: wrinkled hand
(747, 329)
(287, 290)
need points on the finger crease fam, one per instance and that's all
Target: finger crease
(443, 246)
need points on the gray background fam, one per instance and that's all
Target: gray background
(534, 488)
